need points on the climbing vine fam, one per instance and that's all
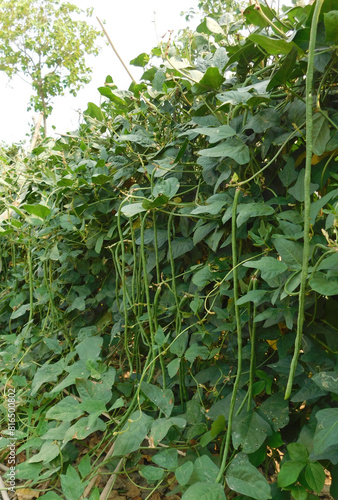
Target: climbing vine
(170, 273)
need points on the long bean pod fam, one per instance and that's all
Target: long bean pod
(307, 197)
(239, 338)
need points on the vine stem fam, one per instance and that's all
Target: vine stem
(146, 288)
(30, 277)
(307, 198)
(239, 337)
(124, 288)
(254, 282)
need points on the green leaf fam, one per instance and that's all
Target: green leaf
(278, 494)
(284, 72)
(234, 97)
(289, 473)
(94, 111)
(100, 179)
(71, 484)
(78, 303)
(212, 79)
(110, 94)
(205, 491)
(298, 452)
(26, 470)
(202, 277)
(330, 262)
(315, 476)
(67, 409)
(166, 187)
(263, 120)
(327, 381)
(76, 371)
(254, 17)
(158, 202)
(269, 267)
(183, 473)
(213, 26)
(56, 433)
(48, 452)
(151, 473)
(179, 345)
(232, 148)
(181, 246)
(141, 139)
(205, 470)
(222, 407)
(90, 390)
(20, 311)
(83, 428)
(89, 348)
(195, 351)
(245, 479)
(164, 399)
(206, 439)
(141, 60)
(173, 367)
(159, 80)
(319, 204)
(85, 466)
(259, 456)
(95, 408)
(54, 252)
(275, 410)
(255, 296)
(249, 431)
(202, 231)
(291, 253)
(99, 243)
(132, 433)
(297, 190)
(39, 210)
(212, 208)
(215, 134)
(166, 458)
(288, 174)
(309, 390)
(130, 209)
(331, 23)
(161, 426)
(273, 46)
(218, 426)
(320, 133)
(46, 373)
(324, 284)
(298, 492)
(247, 210)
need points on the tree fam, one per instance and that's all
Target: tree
(41, 40)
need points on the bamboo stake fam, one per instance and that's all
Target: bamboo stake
(36, 132)
(114, 49)
(3, 490)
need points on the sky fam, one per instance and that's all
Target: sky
(135, 26)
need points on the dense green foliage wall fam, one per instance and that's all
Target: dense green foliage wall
(170, 274)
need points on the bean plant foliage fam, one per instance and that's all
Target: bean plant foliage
(170, 273)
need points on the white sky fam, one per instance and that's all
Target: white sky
(131, 26)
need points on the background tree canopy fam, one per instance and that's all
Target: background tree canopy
(41, 40)
(170, 274)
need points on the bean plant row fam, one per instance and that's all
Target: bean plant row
(168, 296)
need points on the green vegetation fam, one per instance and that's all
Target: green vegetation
(41, 41)
(170, 274)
